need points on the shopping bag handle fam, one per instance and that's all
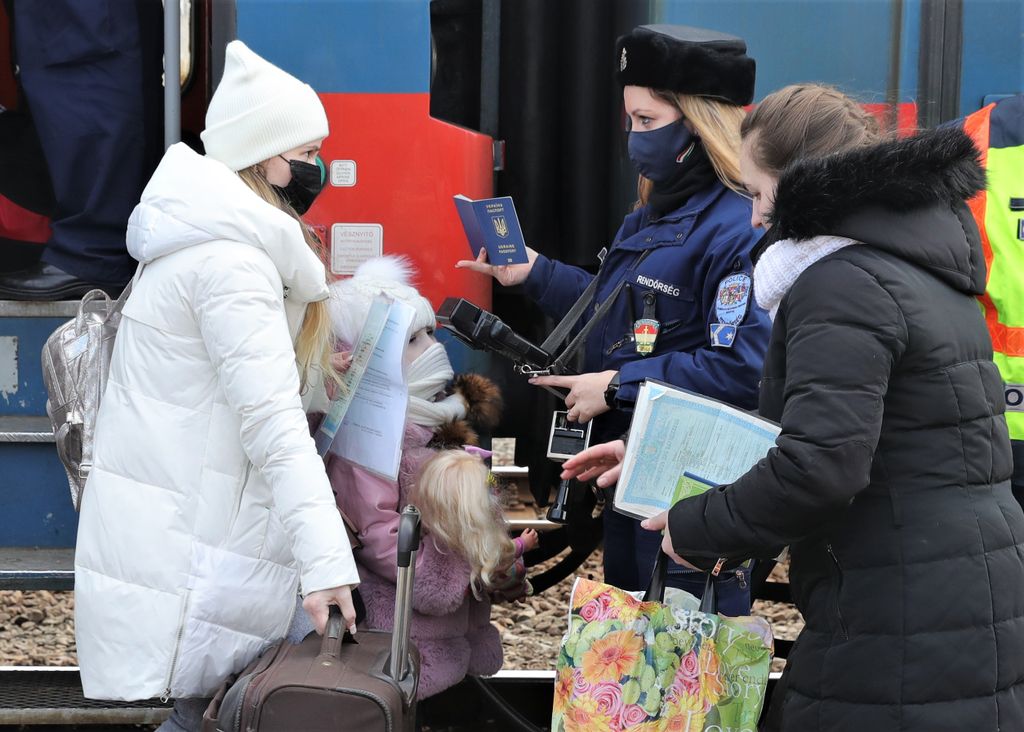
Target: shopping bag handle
(656, 587)
(709, 601)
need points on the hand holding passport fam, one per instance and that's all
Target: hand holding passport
(492, 224)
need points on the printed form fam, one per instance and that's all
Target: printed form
(371, 432)
(675, 432)
(364, 348)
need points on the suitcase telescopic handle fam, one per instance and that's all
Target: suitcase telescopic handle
(408, 544)
(408, 535)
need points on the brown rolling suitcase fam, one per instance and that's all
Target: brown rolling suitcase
(365, 683)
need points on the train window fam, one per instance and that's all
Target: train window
(464, 50)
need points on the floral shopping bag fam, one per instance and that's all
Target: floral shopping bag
(627, 664)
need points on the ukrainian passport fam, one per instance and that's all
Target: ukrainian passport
(492, 223)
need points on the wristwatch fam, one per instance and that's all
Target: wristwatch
(611, 391)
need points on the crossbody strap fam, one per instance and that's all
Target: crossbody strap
(554, 340)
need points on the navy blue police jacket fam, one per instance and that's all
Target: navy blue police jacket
(694, 263)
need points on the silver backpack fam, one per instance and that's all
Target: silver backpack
(76, 361)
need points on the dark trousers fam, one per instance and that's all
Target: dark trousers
(629, 556)
(90, 71)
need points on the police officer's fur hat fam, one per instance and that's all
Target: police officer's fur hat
(694, 61)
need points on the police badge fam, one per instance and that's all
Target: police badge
(731, 304)
(645, 334)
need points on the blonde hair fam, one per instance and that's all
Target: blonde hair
(315, 344)
(717, 124)
(454, 496)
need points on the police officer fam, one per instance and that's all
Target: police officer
(684, 314)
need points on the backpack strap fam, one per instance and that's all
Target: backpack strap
(114, 313)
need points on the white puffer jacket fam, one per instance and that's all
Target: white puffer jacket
(206, 482)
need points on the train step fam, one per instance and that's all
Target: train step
(53, 696)
(34, 496)
(37, 568)
(38, 696)
(523, 513)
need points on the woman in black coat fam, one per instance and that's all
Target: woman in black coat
(890, 479)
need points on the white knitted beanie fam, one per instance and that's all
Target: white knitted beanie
(390, 276)
(259, 111)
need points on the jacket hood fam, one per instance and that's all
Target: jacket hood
(905, 197)
(192, 199)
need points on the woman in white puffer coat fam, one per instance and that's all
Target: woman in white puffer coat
(208, 507)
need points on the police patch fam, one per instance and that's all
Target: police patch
(723, 335)
(733, 299)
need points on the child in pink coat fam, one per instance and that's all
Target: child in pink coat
(451, 605)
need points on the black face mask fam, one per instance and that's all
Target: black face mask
(306, 183)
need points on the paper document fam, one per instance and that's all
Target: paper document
(680, 444)
(371, 432)
(364, 347)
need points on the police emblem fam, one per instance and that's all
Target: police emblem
(733, 299)
(645, 334)
(622, 61)
(500, 226)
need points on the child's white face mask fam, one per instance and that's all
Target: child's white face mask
(429, 372)
(428, 375)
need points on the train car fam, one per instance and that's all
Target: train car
(432, 98)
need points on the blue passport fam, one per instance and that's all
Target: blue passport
(492, 223)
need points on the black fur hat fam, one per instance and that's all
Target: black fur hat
(695, 61)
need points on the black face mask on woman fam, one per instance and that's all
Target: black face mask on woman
(660, 154)
(306, 183)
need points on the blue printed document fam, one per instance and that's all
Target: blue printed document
(492, 223)
(681, 444)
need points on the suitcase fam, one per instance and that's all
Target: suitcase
(340, 682)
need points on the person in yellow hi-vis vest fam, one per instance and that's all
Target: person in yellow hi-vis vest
(998, 131)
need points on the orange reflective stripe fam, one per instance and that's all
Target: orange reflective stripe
(976, 125)
(1005, 339)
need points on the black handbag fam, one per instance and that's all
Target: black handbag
(656, 587)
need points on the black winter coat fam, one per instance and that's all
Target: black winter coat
(890, 479)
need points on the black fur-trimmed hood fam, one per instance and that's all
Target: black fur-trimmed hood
(905, 197)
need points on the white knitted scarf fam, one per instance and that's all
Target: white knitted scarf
(784, 261)
(427, 376)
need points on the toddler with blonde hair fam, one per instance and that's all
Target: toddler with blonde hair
(455, 495)
(459, 569)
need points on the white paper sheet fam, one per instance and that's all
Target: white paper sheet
(371, 432)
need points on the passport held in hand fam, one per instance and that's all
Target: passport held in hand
(492, 223)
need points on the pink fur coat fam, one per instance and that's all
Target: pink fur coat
(451, 628)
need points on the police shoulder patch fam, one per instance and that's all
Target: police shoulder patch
(733, 298)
